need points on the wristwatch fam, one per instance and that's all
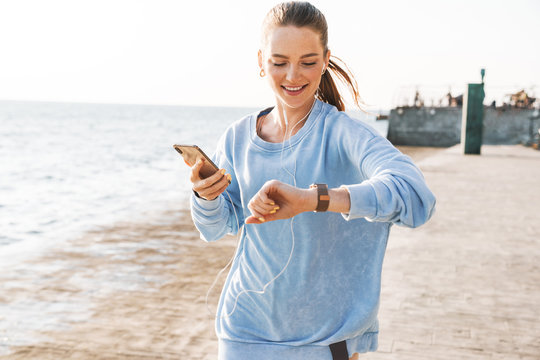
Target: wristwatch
(323, 199)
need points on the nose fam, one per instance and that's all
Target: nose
(292, 73)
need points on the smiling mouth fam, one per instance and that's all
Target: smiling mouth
(293, 90)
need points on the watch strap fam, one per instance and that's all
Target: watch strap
(323, 199)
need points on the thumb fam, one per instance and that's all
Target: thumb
(195, 169)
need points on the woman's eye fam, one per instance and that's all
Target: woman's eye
(279, 64)
(309, 64)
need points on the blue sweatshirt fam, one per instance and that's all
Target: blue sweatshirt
(321, 274)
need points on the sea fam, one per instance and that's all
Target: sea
(70, 168)
(66, 168)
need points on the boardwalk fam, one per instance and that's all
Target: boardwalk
(467, 284)
(464, 286)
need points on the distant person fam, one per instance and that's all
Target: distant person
(304, 285)
(418, 102)
(449, 98)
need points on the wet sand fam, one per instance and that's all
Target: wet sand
(137, 291)
(134, 291)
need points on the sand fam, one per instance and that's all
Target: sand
(137, 291)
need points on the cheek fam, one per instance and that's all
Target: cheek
(276, 70)
(314, 74)
(276, 74)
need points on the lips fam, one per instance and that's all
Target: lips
(293, 90)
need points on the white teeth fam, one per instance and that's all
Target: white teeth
(293, 88)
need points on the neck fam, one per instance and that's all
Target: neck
(288, 118)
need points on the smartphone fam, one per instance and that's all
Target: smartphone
(192, 153)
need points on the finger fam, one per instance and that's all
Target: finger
(252, 220)
(218, 185)
(209, 181)
(195, 169)
(256, 214)
(263, 208)
(213, 191)
(257, 220)
(258, 199)
(204, 184)
(214, 178)
(255, 204)
(265, 199)
(220, 191)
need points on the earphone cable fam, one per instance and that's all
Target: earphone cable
(293, 241)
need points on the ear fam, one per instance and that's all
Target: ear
(260, 57)
(327, 59)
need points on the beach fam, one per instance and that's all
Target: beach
(463, 286)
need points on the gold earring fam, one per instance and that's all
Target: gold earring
(323, 71)
(262, 73)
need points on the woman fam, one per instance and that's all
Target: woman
(306, 286)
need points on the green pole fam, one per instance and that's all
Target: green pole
(472, 118)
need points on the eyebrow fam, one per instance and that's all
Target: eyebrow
(301, 57)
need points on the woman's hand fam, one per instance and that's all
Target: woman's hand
(211, 187)
(277, 200)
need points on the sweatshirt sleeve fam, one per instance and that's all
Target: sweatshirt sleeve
(223, 215)
(394, 189)
(215, 218)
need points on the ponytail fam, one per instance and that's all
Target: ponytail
(328, 91)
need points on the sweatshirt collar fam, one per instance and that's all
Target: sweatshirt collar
(293, 140)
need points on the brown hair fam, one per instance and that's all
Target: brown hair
(304, 14)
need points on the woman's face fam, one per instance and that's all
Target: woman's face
(294, 59)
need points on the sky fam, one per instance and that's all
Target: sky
(204, 53)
